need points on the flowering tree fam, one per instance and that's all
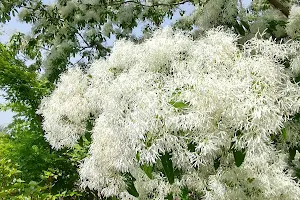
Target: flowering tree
(68, 28)
(219, 123)
(181, 117)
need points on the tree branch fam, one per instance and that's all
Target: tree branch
(81, 36)
(153, 5)
(280, 7)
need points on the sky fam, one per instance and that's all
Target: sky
(14, 25)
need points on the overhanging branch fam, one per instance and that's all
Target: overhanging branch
(278, 5)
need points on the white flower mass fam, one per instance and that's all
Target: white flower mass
(201, 102)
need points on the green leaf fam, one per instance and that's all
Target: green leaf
(137, 156)
(88, 136)
(184, 193)
(148, 170)
(168, 166)
(284, 134)
(217, 163)
(179, 104)
(239, 157)
(192, 146)
(292, 153)
(178, 173)
(80, 142)
(169, 197)
(129, 180)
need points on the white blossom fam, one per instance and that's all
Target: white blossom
(171, 92)
(68, 9)
(66, 110)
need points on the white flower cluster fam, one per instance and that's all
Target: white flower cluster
(68, 9)
(202, 104)
(293, 25)
(65, 110)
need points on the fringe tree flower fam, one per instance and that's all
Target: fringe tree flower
(293, 25)
(181, 117)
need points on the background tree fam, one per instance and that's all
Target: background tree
(24, 152)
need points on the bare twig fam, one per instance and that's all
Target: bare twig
(73, 64)
(83, 39)
(86, 47)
